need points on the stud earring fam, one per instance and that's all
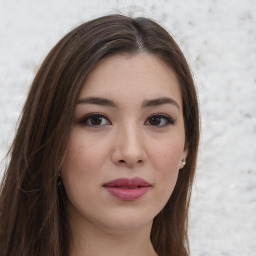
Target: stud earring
(183, 162)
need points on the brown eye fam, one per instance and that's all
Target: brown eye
(154, 120)
(94, 120)
(159, 120)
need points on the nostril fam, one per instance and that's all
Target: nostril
(130, 162)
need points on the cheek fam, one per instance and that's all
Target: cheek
(82, 158)
(166, 165)
(167, 172)
(167, 156)
(76, 159)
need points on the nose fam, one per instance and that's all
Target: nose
(129, 149)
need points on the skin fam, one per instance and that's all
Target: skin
(125, 142)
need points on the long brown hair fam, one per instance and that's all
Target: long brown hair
(32, 205)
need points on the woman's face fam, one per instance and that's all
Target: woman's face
(126, 144)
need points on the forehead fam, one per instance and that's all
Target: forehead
(131, 77)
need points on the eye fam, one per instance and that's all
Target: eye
(160, 120)
(94, 120)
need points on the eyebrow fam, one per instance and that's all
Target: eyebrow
(97, 101)
(160, 101)
(110, 103)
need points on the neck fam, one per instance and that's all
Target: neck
(88, 240)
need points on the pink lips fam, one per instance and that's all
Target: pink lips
(127, 189)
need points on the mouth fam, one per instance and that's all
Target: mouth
(127, 189)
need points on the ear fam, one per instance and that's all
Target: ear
(183, 158)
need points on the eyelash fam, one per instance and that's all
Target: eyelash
(168, 119)
(84, 120)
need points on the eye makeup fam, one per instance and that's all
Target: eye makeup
(160, 120)
(94, 120)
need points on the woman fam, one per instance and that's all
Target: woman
(104, 157)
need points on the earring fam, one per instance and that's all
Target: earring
(59, 181)
(183, 162)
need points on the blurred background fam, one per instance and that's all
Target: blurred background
(218, 39)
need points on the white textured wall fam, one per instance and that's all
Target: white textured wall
(219, 40)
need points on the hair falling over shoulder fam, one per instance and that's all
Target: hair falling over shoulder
(32, 206)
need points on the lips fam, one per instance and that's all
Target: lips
(127, 189)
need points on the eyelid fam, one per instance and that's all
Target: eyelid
(170, 119)
(93, 114)
(161, 114)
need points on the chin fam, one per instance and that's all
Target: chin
(128, 220)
